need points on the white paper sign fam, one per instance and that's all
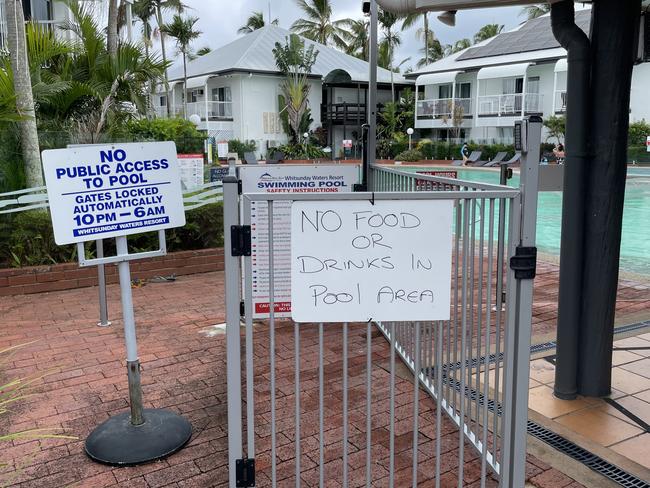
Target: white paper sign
(191, 168)
(284, 179)
(98, 192)
(352, 261)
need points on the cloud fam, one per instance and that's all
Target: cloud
(219, 21)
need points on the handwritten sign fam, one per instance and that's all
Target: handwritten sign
(352, 261)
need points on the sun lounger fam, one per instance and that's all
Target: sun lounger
(515, 159)
(474, 159)
(498, 159)
(275, 158)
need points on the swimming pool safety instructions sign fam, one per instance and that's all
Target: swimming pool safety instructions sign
(352, 261)
(285, 179)
(98, 192)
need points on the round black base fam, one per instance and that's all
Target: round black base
(119, 443)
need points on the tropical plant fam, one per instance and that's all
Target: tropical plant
(22, 92)
(317, 23)
(357, 38)
(199, 53)
(158, 8)
(145, 11)
(410, 156)
(241, 147)
(435, 53)
(457, 46)
(422, 33)
(487, 32)
(534, 11)
(295, 62)
(306, 150)
(455, 118)
(391, 40)
(556, 126)
(639, 132)
(254, 22)
(183, 31)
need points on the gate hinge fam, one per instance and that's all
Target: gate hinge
(245, 472)
(242, 309)
(524, 263)
(240, 187)
(240, 236)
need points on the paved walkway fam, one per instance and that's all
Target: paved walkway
(184, 370)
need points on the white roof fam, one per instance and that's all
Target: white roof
(503, 71)
(254, 53)
(437, 78)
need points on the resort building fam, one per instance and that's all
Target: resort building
(47, 13)
(234, 90)
(478, 93)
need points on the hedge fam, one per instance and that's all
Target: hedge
(27, 238)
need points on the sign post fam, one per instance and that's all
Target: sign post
(100, 192)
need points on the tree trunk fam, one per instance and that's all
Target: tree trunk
(426, 38)
(185, 86)
(159, 19)
(24, 97)
(111, 38)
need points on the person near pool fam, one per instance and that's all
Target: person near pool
(464, 153)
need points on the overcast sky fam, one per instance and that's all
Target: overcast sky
(219, 21)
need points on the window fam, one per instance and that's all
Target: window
(221, 94)
(463, 90)
(533, 85)
(163, 101)
(39, 10)
(194, 96)
(444, 91)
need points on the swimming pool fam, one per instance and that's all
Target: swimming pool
(635, 246)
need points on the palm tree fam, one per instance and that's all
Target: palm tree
(317, 23)
(16, 41)
(145, 11)
(111, 34)
(255, 22)
(422, 33)
(435, 53)
(199, 52)
(487, 32)
(391, 40)
(183, 31)
(156, 8)
(534, 11)
(357, 38)
(457, 46)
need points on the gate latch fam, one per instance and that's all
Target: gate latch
(240, 240)
(524, 263)
(245, 475)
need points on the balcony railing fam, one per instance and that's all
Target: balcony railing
(442, 107)
(510, 104)
(560, 101)
(344, 113)
(161, 111)
(215, 110)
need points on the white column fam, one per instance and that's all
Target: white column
(205, 101)
(523, 96)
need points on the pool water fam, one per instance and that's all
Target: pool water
(635, 245)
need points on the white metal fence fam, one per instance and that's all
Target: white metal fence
(284, 429)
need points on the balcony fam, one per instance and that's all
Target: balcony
(510, 104)
(560, 101)
(343, 113)
(441, 108)
(161, 112)
(215, 110)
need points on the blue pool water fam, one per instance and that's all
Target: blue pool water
(635, 246)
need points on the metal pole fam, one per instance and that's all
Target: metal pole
(129, 20)
(132, 360)
(371, 150)
(233, 346)
(520, 309)
(101, 278)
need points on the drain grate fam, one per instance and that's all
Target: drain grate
(565, 446)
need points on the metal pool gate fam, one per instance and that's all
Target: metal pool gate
(330, 404)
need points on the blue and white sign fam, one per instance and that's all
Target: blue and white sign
(99, 192)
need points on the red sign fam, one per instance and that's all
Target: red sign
(280, 307)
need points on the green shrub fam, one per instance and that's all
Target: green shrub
(183, 132)
(241, 147)
(410, 156)
(638, 154)
(639, 131)
(426, 147)
(28, 240)
(301, 151)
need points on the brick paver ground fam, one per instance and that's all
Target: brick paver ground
(184, 370)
